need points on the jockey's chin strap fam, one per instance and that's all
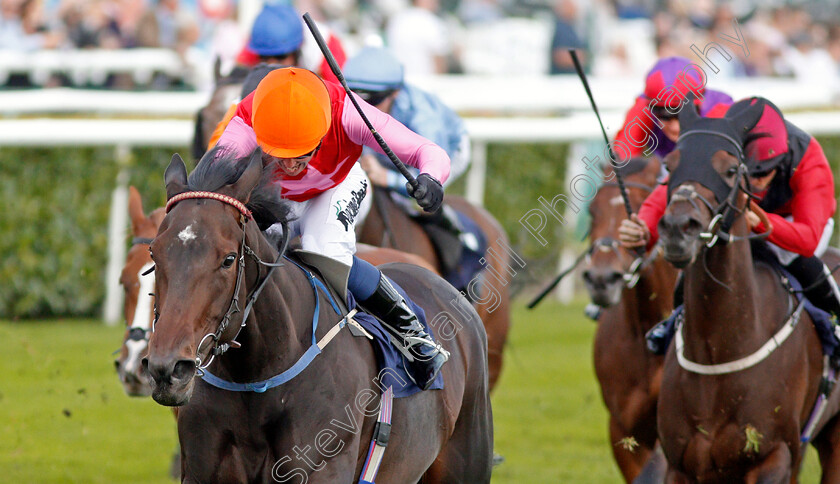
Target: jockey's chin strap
(219, 346)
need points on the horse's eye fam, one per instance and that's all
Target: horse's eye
(732, 171)
(229, 260)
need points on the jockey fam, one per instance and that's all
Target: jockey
(669, 76)
(790, 175)
(277, 38)
(378, 78)
(311, 135)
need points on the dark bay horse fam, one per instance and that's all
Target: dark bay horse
(210, 256)
(742, 378)
(138, 285)
(388, 225)
(628, 373)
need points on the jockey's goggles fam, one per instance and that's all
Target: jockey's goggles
(374, 97)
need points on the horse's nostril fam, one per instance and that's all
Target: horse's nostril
(692, 226)
(184, 370)
(117, 365)
(614, 277)
(587, 277)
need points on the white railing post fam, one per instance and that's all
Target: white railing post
(477, 172)
(117, 221)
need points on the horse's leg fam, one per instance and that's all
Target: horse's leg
(630, 461)
(776, 468)
(673, 476)
(467, 456)
(827, 443)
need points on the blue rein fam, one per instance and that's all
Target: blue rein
(300, 364)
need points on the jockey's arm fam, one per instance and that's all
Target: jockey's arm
(411, 148)
(812, 205)
(652, 209)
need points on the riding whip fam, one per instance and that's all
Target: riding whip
(556, 281)
(322, 44)
(618, 176)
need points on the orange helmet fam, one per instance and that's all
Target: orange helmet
(291, 112)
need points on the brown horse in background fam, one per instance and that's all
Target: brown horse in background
(629, 374)
(388, 225)
(138, 303)
(206, 246)
(743, 376)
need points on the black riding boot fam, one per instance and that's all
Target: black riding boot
(659, 337)
(425, 356)
(819, 287)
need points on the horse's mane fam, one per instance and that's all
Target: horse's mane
(220, 167)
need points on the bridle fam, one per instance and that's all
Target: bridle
(640, 262)
(218, 345)
(726, 212)
(136, 333)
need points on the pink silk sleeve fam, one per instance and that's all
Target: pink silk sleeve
(410, 147)
(238, 137)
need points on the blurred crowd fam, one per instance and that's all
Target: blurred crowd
(614, 37)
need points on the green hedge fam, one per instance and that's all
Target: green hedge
(53, 233)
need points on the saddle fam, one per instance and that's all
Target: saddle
(390, 360)
(459, 242)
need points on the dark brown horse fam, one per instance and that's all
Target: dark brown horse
(742, 378)
(138, 285)
(209, 256)
(629, 374)
(387, 225)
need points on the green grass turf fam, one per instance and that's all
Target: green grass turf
(64, 417)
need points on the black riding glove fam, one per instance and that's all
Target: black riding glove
(429, 192)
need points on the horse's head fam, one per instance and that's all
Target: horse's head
(200, 256)
(607, 263)
(138, 299)
(707, 174)
(226, 92)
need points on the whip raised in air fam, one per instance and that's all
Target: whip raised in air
(419, 190)
(618, 176)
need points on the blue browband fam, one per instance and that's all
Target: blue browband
(302, 362)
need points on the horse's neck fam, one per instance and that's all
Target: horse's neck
(273, 338)
(721, 322)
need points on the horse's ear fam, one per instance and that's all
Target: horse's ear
(217, 69)
(175, 177)
(135, 209)
(653, 168)
(241, 189)
(744, 115)
(688, 113)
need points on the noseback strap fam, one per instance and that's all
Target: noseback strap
(213, 195)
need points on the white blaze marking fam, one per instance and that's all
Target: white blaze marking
(187, 234)
(617, 200)
(142, 317)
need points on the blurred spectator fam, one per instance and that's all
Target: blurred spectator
(565, 38)
(420, 39)
(23, 27)
(167, 25)
(91, 24)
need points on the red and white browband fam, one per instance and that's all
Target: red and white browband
(215, 196)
